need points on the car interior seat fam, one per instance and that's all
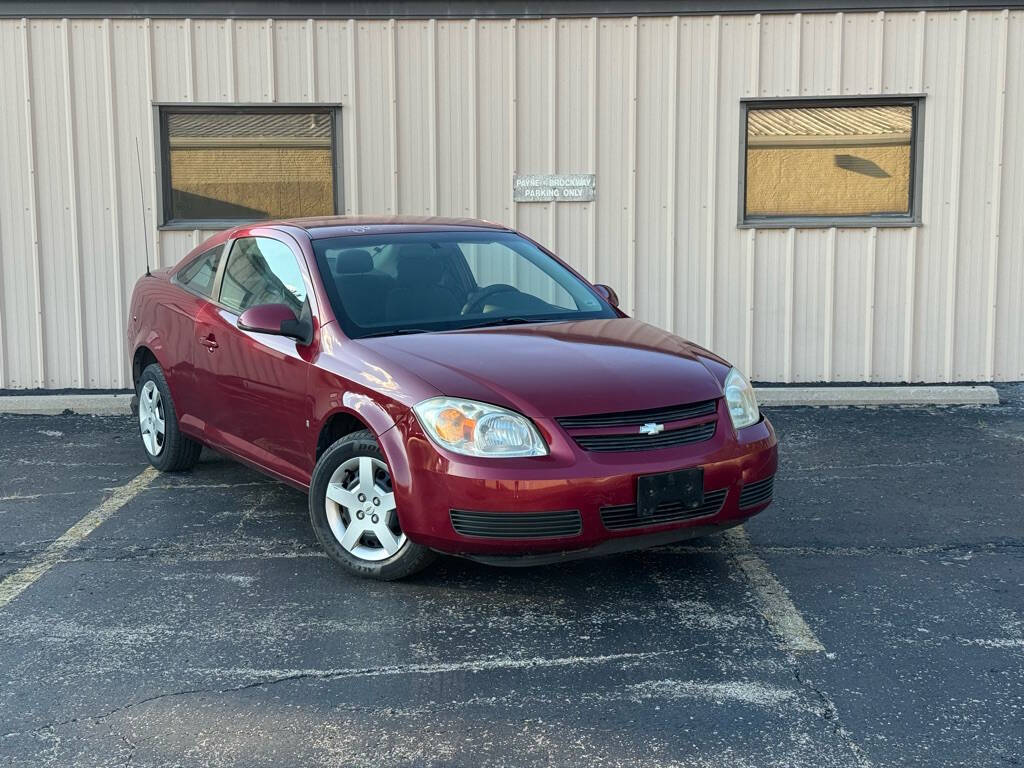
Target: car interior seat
(420, 294)
(362, 290)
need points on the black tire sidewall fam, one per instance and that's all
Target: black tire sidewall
(410, 558)
(179, 452)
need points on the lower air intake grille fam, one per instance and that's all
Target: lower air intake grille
(640, 442)
(753, 494)
(624, 515)
(517, 525)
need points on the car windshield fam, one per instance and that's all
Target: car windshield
(413, 282)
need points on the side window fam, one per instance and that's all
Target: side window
(262, 271)
(200, 274)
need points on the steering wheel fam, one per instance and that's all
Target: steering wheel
(476, 299)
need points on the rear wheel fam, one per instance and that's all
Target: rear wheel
(352, 509)
(166, 447)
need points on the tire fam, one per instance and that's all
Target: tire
(166, 447)
(357, 525)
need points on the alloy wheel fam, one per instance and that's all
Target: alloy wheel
(151, 418)
(361, 509)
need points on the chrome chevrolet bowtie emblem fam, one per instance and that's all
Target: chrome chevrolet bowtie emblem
(652, 428)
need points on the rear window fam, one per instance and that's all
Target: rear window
(200, 274)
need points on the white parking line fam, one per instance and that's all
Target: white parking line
(773, 600)
(19, 581)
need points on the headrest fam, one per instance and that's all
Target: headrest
(418, 263)
(353, 262)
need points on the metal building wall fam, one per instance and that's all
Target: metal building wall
(439, 115)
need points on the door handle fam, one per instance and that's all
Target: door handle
(209, 342)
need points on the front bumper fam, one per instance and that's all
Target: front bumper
(430, 482)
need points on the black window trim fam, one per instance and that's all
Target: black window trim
(163, 165)
(916, 101)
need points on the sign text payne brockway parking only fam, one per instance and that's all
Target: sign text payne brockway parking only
(564, 187)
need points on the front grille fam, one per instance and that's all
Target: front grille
(638, 442)
(753, 494)
(624, 515)
(636, 418)
(517, 525)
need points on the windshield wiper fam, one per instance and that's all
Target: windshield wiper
(395, 332)
(505, 321)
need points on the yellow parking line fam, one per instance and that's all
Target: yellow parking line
(19, 581)
(773, 600)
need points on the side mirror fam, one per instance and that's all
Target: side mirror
(607, 294)
(276, 319)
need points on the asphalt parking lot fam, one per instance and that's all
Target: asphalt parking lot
(874, 615)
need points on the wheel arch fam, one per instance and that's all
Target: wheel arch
(143, 357)
(339, 424)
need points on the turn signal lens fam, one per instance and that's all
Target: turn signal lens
(479, 429)
(453, 427)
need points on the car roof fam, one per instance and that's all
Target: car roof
(338, 226)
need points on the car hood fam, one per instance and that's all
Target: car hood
(559, 369)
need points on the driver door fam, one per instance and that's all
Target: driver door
(252, 389)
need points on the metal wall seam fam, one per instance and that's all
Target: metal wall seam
(553, 126)
(830, 302)
(872, 259)
(351, 127)
(748, 358)
(910, 310)
(151, 112)
(115, 205)
(311, 60)
(435, 173)
(37, 280)
(790, 310)
(869, 304)
(954, 186)
(474, 117)
(749, 300)
(593, 117)
(632, 152)
(513, 128)
(392, 62)
(190, 69)
(830, 258)
(76, 248)
(711, 186)
(271, 45)
(999, 120)
(229, 50)
(672, 177)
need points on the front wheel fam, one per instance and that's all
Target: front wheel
(352, 509)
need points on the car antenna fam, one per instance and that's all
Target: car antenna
(142, 204)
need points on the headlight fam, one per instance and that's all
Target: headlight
(739, 396)
(478, 429)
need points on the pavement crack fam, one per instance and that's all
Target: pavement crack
(830, 715)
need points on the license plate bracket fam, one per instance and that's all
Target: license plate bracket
(684, 486)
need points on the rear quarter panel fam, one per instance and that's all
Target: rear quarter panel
(162, 319)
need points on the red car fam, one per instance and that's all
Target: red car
(442, 385)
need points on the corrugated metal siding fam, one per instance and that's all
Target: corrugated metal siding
(439, 115)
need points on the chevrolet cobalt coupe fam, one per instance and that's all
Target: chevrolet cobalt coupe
(441, 385)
